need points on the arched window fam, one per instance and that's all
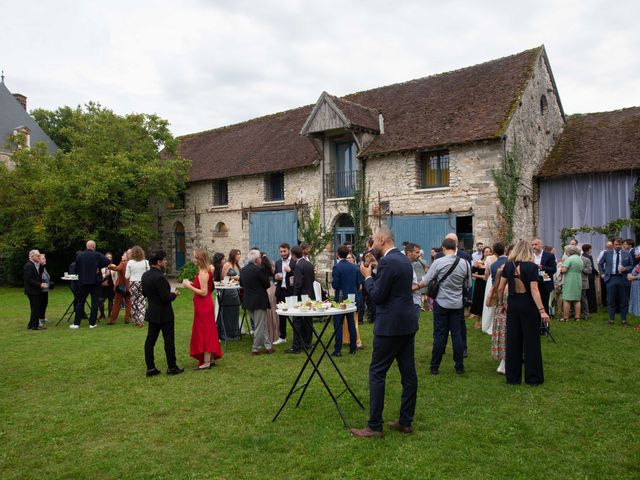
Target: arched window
(221, 230)
(544, 105)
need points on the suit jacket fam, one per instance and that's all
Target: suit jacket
(344, 278)
(606, 264)
(88, 267)
(304, 276)
(255, 282)
(390, 289)
(156, 288)
(32, 279)
(284, 292)
(548, 264)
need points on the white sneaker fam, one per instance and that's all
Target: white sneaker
(73, 326)
(93, 326)
(280, 341)
(501, 369)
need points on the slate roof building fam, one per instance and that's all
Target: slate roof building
(590, 175)
(14, 119)
(425, 149)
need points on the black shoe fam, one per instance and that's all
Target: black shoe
(465, 354)
(293, 350)
(153, 372)
(39, 327)
(336, 354)
(460, 371)
(175, 371)
(352, 352)
(434, 371)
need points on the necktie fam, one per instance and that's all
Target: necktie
(617, 263)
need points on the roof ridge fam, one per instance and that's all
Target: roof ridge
(449, 72)
(575, 115)
(342, 99)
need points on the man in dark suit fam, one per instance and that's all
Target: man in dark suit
(394, 333)
(33, 289)
(547, 267)
(159, 314)
(614, 266)
(303, 278)
(88, 268)
(255, 282)
(344, 280)
(284, 289)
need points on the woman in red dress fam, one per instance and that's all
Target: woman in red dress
(205, 346)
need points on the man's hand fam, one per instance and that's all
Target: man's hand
(365, 270)
(177, 292)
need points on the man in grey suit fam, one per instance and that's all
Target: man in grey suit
(614, 266)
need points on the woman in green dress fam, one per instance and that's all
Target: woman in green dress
(572, 281)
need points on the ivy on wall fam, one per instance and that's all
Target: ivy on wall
(507, 179)
(634, 206)
(358, 207)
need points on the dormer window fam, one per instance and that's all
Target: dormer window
(24, 133)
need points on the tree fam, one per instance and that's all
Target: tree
(99, 185)
(312, 232)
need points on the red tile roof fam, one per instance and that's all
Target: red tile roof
(466, 105)
(596, 142)
(359, 115)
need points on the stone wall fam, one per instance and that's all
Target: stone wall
(534, 133)
(471, 188)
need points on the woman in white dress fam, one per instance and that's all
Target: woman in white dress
(487, 311)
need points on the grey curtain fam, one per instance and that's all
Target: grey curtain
(592, 200)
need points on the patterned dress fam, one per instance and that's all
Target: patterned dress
(499, 329)
(634, 298)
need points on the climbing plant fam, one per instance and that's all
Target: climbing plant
(507, 179)
(311, 231)
(358, 207)
(610, 230)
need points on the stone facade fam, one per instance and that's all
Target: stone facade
(534, 129)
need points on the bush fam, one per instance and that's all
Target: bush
(189, 271)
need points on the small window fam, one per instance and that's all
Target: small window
(544, 105)
(274, 187)
(434, 169)
(220, 192)
(221, 230)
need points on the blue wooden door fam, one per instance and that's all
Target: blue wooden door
(267, 230)
(428, 231)
(180, 246)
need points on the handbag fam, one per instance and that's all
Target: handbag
(434, 285)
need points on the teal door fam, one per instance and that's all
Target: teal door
(267, 230)
(428, 231)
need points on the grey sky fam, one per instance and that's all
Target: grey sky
(204, 64)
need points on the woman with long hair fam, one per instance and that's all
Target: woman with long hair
(524, 311)
(230, 299)
(205, 345)
(136, 266)
(498, 308)
(480, 284)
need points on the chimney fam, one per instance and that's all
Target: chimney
(22, 100)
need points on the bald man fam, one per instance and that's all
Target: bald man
(88, 268)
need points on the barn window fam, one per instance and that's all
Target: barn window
(434, 169)
(220, 192)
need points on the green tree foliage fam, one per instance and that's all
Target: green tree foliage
(634, 205)
(100, 184)
(312, 232)
(359, 210)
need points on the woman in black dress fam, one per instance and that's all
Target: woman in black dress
(480, 284)
(524, 311)
(230, 299)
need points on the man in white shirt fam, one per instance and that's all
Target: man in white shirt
(477, 255)
(283, 289)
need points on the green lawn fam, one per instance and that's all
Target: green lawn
(76, 404)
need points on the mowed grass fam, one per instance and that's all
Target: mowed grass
(76, 404)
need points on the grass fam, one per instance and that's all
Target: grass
(76, 404)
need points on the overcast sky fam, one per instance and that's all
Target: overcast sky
(204, 64)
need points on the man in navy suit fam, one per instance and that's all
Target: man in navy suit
(344, 280)
(284, 288)
(88, 268)
(303, 278)
(394, 333)
(546, 265)
(614, 266)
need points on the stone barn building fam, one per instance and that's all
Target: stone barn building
(425, 149)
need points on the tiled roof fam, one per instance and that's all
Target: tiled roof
(466, 105)
(596, 142)
(359, 115)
